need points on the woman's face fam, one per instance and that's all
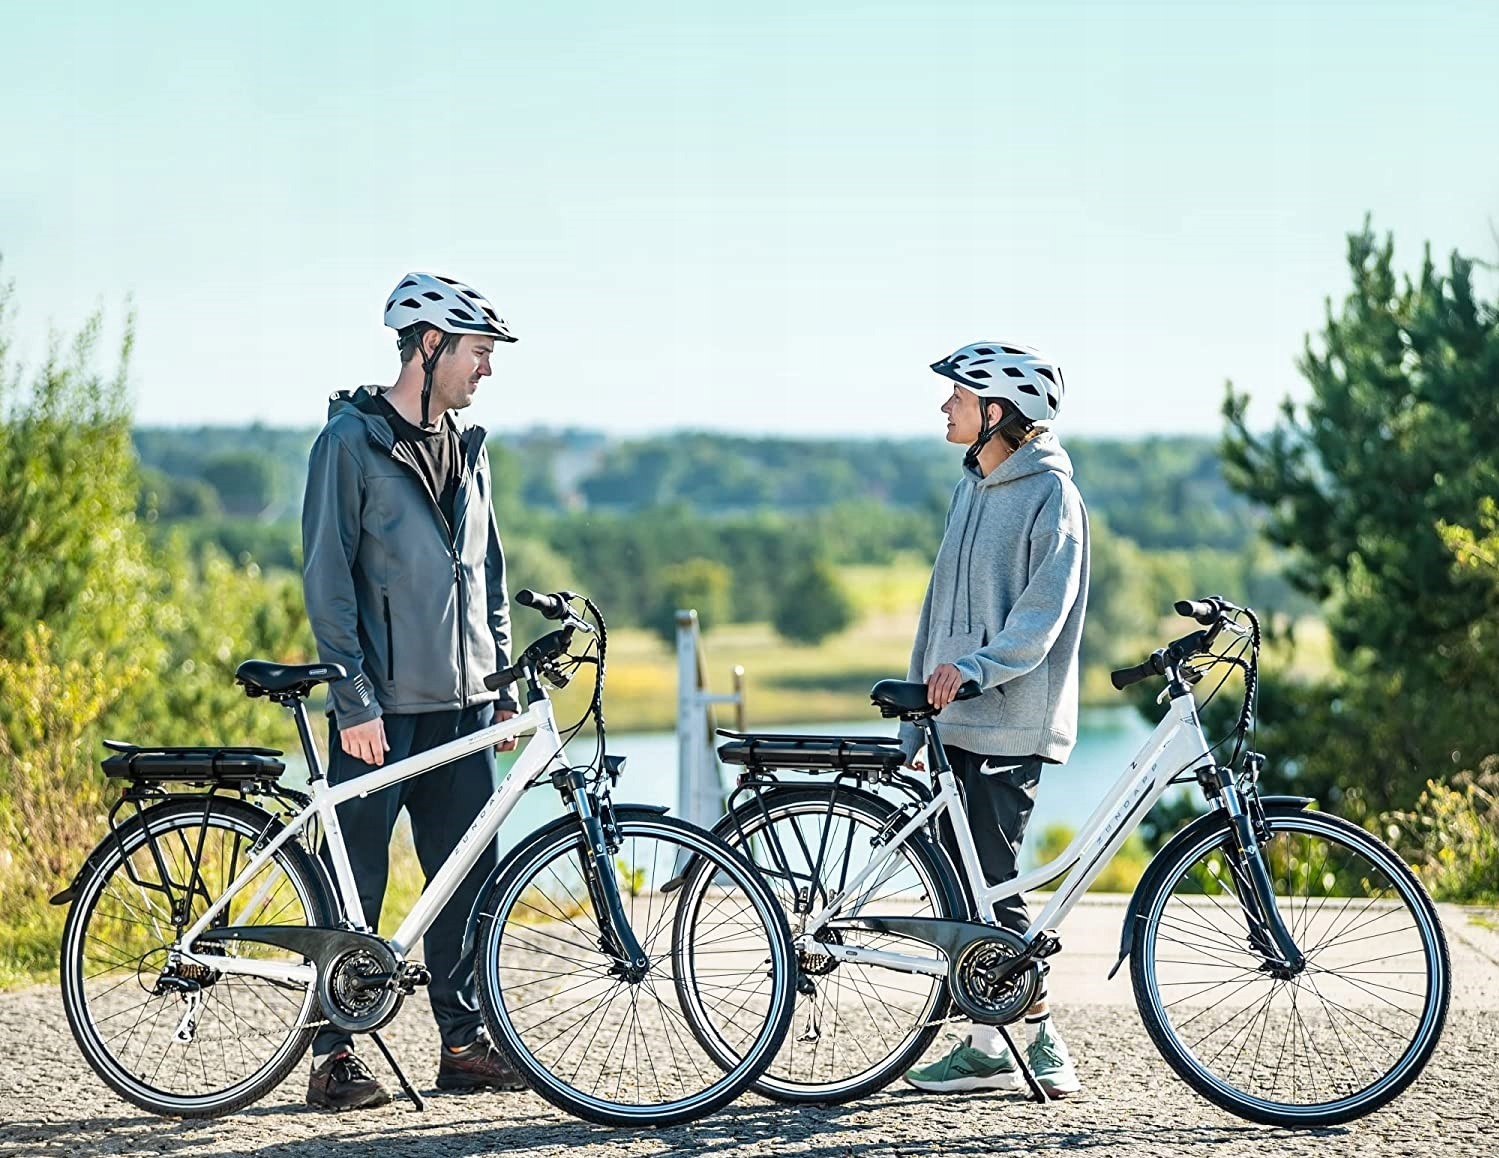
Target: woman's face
(964, 418)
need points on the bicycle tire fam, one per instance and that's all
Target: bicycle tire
(1325, 898)
(539, 963)
(907, 1023)
(101, 915)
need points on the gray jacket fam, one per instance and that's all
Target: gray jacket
(1005, 606)
(417, 613)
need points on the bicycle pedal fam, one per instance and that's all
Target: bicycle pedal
(413, 975)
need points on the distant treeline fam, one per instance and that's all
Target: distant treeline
(1164, 492)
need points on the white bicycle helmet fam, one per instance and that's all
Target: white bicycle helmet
(1018, 374)
(448, 305)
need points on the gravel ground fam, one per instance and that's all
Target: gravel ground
(52, 1104)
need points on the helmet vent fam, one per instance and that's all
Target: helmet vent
(984, 351)
(432, 296)
(1027, 388)
(1014, 372)
(407, 284)
(979, 374)
(1044, 370)
(412, 304)
(1052, 402)
(461, 315)
(1012, 350)
(447, 280)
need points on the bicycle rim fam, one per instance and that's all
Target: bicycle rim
(600, 1044)
(245, 1033)
(1336, 1041)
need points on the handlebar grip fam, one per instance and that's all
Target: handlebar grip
(551, 606)
(501, 679)
(1205, 611)
(1126, 676)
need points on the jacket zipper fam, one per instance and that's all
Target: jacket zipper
(462, 626)
(457, 573)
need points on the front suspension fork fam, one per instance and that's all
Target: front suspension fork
(1268, 933)
(616, 937)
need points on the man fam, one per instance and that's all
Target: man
(1004, 607)
(404, 580)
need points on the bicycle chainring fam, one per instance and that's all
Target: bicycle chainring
(349, 1001)
(979, 989)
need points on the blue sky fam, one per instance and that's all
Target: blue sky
(757, 218)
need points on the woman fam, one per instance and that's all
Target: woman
(1004, 607)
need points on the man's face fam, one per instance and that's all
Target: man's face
(964, 418)
(456, 378)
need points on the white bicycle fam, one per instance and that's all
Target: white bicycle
(1285, 962)
(206, 942)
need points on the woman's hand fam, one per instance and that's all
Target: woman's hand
(942, 685)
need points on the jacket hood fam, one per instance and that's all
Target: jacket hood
(360, 402)
(1040, 455)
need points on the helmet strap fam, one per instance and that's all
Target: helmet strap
(987, 431)
(1013, 426)
(429, 364)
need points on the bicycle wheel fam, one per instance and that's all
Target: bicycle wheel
(185, 1041)
(1332, 1043)
(857, 1027)
(592, 1039)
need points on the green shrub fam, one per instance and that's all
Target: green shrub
(1451, 837)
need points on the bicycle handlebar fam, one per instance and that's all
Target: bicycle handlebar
(1212, 611)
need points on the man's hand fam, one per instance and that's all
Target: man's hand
(942, 685)
(366, 741)
(504, 745)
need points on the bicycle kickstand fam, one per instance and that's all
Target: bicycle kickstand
(1037, 1093)
(411, 1093)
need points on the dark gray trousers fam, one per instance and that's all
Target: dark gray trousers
(999, 793)
(442, 804)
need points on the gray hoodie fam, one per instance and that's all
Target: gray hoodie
(415, 610)
(1005, 606)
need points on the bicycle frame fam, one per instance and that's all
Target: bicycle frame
(1176, 745)
(536, 759)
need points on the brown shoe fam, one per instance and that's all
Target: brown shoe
(343, 1082)
(477, 1066)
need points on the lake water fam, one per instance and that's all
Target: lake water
(1108, 739)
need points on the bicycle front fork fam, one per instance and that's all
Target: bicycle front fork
(1268, 933)
(615, 935)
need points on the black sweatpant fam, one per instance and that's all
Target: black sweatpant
(999, 793)
(442, 804)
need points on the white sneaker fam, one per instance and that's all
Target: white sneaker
(1047, 1057)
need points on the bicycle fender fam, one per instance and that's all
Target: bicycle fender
(1148, 883)
(471, 929)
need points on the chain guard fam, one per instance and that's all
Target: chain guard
(976, 958)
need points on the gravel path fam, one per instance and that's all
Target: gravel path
(52, 1104)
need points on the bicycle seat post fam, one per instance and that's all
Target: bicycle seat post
(298, 706)
(935, 752)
